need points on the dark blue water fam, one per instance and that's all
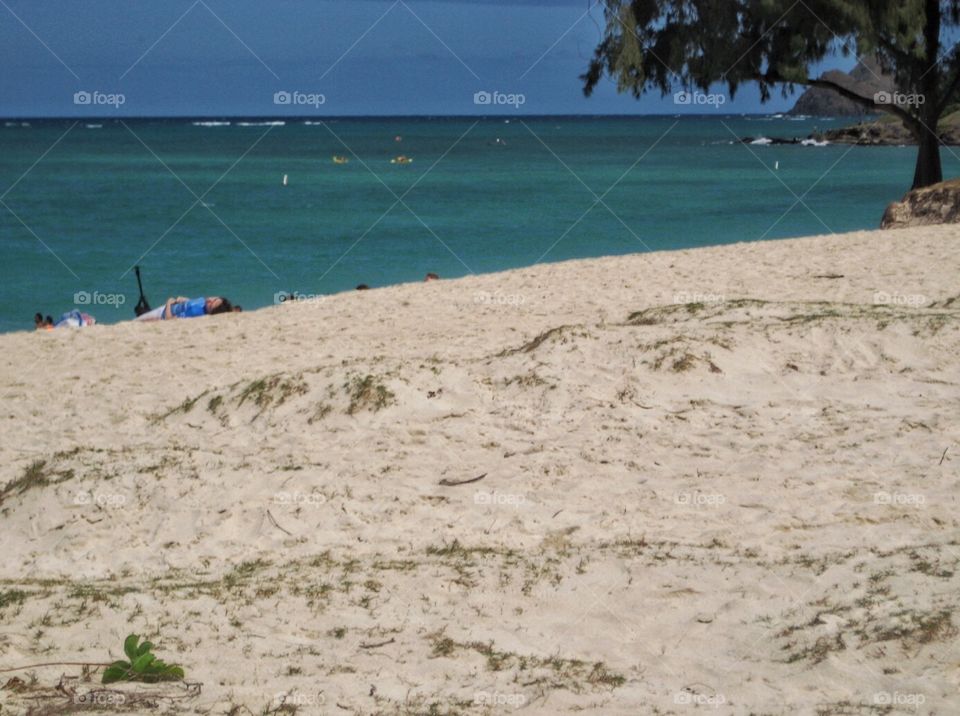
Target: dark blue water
(202, 208)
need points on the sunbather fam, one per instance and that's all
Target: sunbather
(181, 307)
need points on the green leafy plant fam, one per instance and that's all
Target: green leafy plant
(142, 665)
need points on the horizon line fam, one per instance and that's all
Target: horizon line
(320, 118)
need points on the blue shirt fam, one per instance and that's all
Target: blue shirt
(189, 309)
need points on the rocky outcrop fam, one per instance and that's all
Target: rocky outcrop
(866, 79)
(936, 204)
(870, 134)
(771, 140)
(887, 133)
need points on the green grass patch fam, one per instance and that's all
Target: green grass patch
(367, 393)
(12, 597)
(35, 475)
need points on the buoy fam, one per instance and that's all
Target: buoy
(284, 179)
(776, 165)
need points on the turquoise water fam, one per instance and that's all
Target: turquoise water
(100, 201)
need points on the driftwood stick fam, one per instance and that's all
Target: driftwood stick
(453, 483)
(374, 646)
(277, 525)
(192, 689)
(944, 454)
(53, 663)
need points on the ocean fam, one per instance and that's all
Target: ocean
(202, 208)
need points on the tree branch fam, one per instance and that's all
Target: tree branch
(908, 119)
(869, 103)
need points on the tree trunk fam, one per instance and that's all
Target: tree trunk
(928, 170)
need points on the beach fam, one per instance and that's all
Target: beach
(253, 237)
(719, 478)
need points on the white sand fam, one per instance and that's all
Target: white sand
(737, 506)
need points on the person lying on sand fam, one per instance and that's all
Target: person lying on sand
(73, 319)
(181, 307)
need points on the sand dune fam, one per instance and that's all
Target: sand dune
(721, 479)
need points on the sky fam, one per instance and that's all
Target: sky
(66, 58)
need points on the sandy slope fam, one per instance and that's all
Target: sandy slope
(714, 479)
